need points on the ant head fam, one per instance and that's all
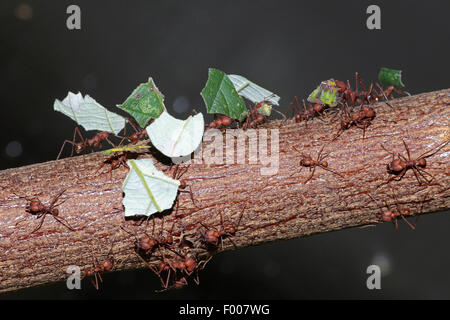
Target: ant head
(396, 165)
(406, 212)
(103, 135)
(324, 164)
(182, 184)
(108, 265)
(211, 236)
(387, 216)
(422, 162)
(298, 118)
(35, 205)
(146, 243)
(230, 230)
(317, 107)
(190, 264)
(55, 212)
(260, 118)
(341, 85)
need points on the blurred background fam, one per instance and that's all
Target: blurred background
(287, 47)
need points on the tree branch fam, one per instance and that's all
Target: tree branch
(273, 207)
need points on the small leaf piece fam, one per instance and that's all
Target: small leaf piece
(220, 96)
(252, 91)
(390, 77)
(147, 189)
(146, 102)
(89, 113)
(174, 137)
(325, 93)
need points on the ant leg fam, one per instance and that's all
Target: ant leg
(409, 223)
(63, 222)
(384, 95)
(424, 155)
(62, 148)
(40, 223)
(311, 175)
(421, 173)
(407, 150)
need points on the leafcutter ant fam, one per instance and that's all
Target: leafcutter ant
(37, 208)
(398, 167)
(309, 162)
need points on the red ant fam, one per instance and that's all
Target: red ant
(138, 134)
(95, 271)
(393, 215)
(355, 96)
(316, 109)
(361, 119)
(93, 143)
(146, 245)
(398, 167)
(213, 236)
(37, 208)
(217, 123)
(308, 161)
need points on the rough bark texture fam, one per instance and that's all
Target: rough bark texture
(273, 207)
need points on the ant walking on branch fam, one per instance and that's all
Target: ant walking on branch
(96, 269)
(92, 143)
(213, 236)
(360, 119)
(393, 215)
(398, 167)
(37, 208)
(309, 162)
(316, 109)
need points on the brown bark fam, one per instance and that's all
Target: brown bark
(273, 207)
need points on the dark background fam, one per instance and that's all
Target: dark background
(285, 46)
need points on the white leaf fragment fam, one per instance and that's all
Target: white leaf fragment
(147, 189)
(174, 137)
(89, 113)
(252, 91)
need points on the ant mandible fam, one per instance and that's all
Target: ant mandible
(93, 143)
(37, 208)
(398, 167)
(308, 161)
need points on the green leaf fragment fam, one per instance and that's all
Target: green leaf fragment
(326, 93)
(390, 77)
(220, 96)
(124, 149)
(147, 189)
(145, 103)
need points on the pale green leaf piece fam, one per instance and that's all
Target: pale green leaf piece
(220, 96)
(147, 189)
(174, 137)
(89, 114)
(252, 91)
(145, 102)
(125, 149)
